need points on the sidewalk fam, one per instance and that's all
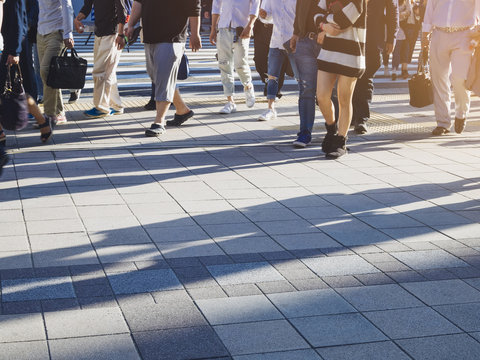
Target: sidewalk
(218, 240)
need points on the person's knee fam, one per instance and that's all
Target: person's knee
(307, 89)
(272, 79)
(458, 83)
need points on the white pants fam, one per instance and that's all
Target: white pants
(105, 60)
(232, 54)
(450, 56)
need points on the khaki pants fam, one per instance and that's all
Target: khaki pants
(50, 45)
(105, 61)
(450, 60)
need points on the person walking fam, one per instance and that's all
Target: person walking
(382, 29)
(401, 53)
(232, 24)
(164, 34)
(341, 61)
(110, 17)
(55, 27)
(447, 29)
(283, 16)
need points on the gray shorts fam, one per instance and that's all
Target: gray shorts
(163, 61)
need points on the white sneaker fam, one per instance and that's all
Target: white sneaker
(250, 96)
(228, 108)
(268, 115)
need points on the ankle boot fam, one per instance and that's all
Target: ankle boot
(331, 132)
(338, 147)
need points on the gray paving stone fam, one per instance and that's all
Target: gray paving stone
(144, 281)
(306, 241)
(340, 265)
(109, 347)
(76, 255)
(474, 282)
(286, 355)
(158, 317)
(244, 245)
(130, 236)
(277, 255)
(374, 279)
(443, 292)
(284, 227)
(341, 281)
(212, 292)
(238, 310)
(242, 290)
(429, 259)
(379, 297)
(437, 274)
(372, 351)
(465, 316)
(341, 329)
(97, 302)
(31, 350)
(465, 272)
(451, 347)
(128, 253)
(91, 322)
(15, 260)
(273, 287)
(405, 276)
(189, 249)
(410, 323)
(310, 303)
(260, 337)
(309, 284)
(14, 243)
(21, 327)
(93, 290)
(245, 258)
(231, 274)
(37, 289)
(391, 266)
(21, 307)
(180, 344)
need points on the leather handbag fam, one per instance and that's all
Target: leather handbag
(67, 72)
(420, 85)
(473, 77)
(13, 101)
(184, 68)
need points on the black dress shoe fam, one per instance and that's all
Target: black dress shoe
(180, 119)
(361, 128)
(439, 130)
(460, 125)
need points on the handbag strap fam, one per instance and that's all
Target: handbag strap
(422, 64)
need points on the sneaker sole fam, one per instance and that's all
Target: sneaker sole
(299, 145)
(226, 113)
(152, 134)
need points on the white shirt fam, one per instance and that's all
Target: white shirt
(55, 15)
(448, 13)
(283, 15)
(234, 13)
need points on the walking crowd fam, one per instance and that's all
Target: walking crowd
(333, 48)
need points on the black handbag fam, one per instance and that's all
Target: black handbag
(184, 69)
(13, 101)
(67, 72)
(420, 85)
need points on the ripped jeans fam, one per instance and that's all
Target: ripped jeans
(276, 57)
(306, 60)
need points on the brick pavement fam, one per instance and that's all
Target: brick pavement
(221, 241)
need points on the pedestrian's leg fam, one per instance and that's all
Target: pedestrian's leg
(275, 61)
(180, 107)
(101, 54)
(225, 62)
(241, 62)
(440, 50)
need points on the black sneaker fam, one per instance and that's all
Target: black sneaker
(338, 147)
(180, 119)
(151, 105)
(361, 128)
(74, 96)
(155, 130)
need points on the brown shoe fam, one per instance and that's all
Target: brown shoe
(460, 125)
(438, 131)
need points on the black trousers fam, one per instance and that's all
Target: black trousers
(363, 93)
(28, 70)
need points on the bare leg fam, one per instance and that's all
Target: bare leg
(325, 84)
(345, 88)
(162, 109)
(180, 107)
(37, 114)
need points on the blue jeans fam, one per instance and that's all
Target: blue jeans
(276, 57)
(306, 61)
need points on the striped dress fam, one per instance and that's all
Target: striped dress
(344, 54)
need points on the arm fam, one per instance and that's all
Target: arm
(13, 43)
(427, 23)
(254, 10)
(67, 16)
(121, 14)
(195, 7)
(134, 17)
(348, 15)
(216, 9)
(392, 23)
(84, 12)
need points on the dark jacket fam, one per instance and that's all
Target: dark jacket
(108, 14)
(381, 14)
(304, 17)
(14, 27)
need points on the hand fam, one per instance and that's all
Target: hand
(120, 42)
(78, 25)
(332, 29)
(246, 33)
(293, 43)
(129, 32)
(213, 36)
(195, 42)
(206, 15)
(262, 14)
(321, 37)
(69, 43)
(425, 40)
(13, 60)
(389, 48)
